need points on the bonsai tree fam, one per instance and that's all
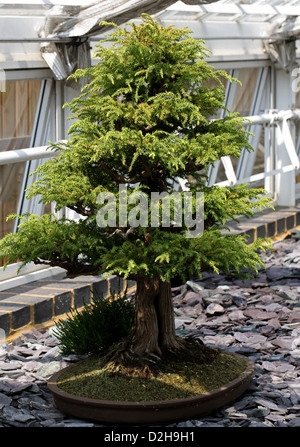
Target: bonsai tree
(146, 118)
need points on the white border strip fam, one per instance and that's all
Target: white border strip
(9, 277)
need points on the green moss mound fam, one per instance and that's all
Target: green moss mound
(176, 379)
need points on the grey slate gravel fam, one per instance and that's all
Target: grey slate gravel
(259, 318)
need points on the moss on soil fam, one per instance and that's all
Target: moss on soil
(176, 378)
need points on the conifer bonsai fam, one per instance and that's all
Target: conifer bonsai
(146, 118)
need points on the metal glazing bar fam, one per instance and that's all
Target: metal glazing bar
(37, 39)
(269, 158)
(20, 155)
(286, 138)
(229, 171)
(272, 117)
(260, 176)
(97, 38)
(213, 169)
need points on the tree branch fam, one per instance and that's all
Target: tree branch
(113, 174)
(79, 208)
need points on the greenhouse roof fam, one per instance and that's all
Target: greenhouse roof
(234, 30)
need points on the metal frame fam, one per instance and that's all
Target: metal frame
(236, 11)
(279, 136)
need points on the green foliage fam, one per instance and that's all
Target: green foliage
(75, 246)
(174, 254)
(144, 118)
(96, 326)
(223, 204)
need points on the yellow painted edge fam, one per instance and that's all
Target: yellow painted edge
(72, 298)
(31, 313)
(27, 294)
(22, 302)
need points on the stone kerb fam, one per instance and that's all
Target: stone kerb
(43, 301)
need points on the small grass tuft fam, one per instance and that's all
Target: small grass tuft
(96, 326)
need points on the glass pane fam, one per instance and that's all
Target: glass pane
(17, 113)
(244, 95)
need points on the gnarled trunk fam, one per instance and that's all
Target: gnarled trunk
(153, 331)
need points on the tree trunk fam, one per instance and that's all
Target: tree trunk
(166, 322)
(153, 331)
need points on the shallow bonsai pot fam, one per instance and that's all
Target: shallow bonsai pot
(144, 413)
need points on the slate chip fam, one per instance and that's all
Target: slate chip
(9, 366)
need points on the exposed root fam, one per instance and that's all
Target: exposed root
(122, 358)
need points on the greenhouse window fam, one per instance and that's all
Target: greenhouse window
(17, 116)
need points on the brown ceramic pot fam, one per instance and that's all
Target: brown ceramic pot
(144, 413)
